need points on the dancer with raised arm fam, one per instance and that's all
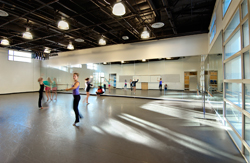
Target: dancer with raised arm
(134, 84)
(76, 94)
(88, 84)
(160, 84)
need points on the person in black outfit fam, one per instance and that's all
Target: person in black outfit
(134, 84)
(131, 85)
(40, 80)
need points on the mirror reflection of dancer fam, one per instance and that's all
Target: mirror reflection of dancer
(108, 81)
(54, 88)
(134, 84)
(47, 88)
(160, 84)
(40, 80)
(131, 85)
(77, 97)
(88, 83)
(125, 85)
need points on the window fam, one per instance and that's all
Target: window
(246, 65)
(213, 28)
(247, 130)
(225, 6)
(232, 25)
(76, 66)
(19, 56)
(234, 136)
(244, 8)
(234, 116)
(233, 93)
(233, 68)
(233, 45)
(245, 34)
(91, 66)
(247, 98)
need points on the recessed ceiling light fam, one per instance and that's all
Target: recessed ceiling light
(3, 13)
(125, 37)
(157, 25)
(79, 40)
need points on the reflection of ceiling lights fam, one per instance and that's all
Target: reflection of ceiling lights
(102, 41)
(119, 9)
(79, 40)
(47, 50)
(157, 25)
(168, 58)
(5, 42)
(62, 24)
(145, 34)
(104, 63)
(143, 60)
(3, 13)
(125, 37)
(70, 46)
(122, 61)
(27, 34)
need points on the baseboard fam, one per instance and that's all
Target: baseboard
(18, 93)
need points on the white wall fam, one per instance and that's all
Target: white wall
(172, 47)
(18, 76)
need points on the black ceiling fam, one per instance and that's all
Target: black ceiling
(91, 19)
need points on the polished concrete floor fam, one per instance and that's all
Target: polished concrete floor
(113, 130)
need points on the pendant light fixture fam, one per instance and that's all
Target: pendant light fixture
(102, 41)
(47, 50)
(5, 42)
(27, 34)
(119, 9)
(145, 34)
(143, 60)
(70, 46)
(62, 24)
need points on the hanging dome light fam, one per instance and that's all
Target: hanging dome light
(62, 24)
(145, 34)
(119, 9)
(70, 46)
(47, 50)
(27, 34)
(143, 60)
(102, 41)
(5, 42)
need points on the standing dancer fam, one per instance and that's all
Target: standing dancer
(88, 83)
(131, 85)
(47, 88)
(77, 97)
(54, 88)
(160, 84)
(134, 84)
(125, 85)
(40, 80)
(108, 81)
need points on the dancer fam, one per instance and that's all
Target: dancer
(108, 81)
(88, 83)
(99, 91)
(104, 85)
(160, 83)
(134, 84)
(131, 85)
(165, 88)
(47, 88)
(125, 85)
(40, 80)
(77, 97)
(54, 88)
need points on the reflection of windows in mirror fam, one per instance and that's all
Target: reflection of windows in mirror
(233, 45)
(246, 65)
(245, 34)
(234, 116)
(19, 56)
(232, 25)
(247, 130)
(247, 97)
(62, 68)
(233, 68)
(225, 6)
(91, 66)
(234, 93)
(244, 8)
(213, 28)
(76, 66)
